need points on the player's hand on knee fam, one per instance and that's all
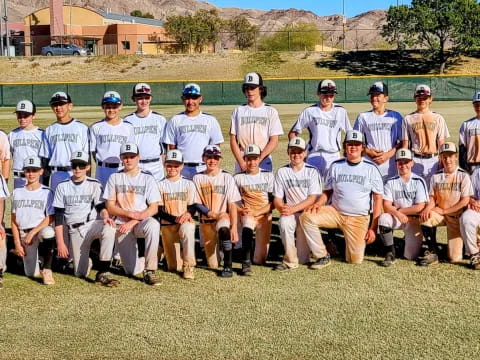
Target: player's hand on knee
(28, 239)
(370, 236)
(108, 221)
(402, 218)
(182, 219)
(286, 210)
(19, 251)
(425, 215)
(62, 251)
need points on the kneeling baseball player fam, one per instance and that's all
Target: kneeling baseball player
(470, 223)
(4, 193)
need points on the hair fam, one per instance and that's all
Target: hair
(263, 90)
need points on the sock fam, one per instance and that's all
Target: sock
(45, 249)
(226, 245)
(247, 244)
(430, 238)
(103, 266)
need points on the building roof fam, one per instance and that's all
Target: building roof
(129, 19)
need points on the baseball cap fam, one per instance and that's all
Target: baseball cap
(253, 78)
(26, 106)
(423, 89)
(252, 150)
(129, 148)
(212, 150)
(60, 97)
(111, 97)
(476, 97)
(32, 162)
(191, 89)
(79, 157)
(142, 89)
(378, 87)
(297, 142)
(403, 154)
(448, 147)
(174, 156)
(354, 136)
(327, 87)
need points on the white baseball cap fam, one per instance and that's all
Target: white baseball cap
(212, 150)
(60, 97)
(26, 106)
(191, 89)
(252, 150)
(111, 97)
(142, 89)
(476, 97)
(253, 78)
(129, 148)
(354, 136)
(174, 156)
(327, 87)
(448, 147)
(79, 156)
(297, 142)
(423, 89)
(32, 162)
(403, 154)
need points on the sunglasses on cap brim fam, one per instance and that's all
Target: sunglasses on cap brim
(214, 152)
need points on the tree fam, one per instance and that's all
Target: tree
(242, 32)
(138, 13)
(293, 37)
(445, 28)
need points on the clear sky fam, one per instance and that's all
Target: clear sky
(319, 7)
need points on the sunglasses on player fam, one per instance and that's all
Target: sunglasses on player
(190, 96)
(81, 166)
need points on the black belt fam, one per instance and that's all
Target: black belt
(167, 224)
(469, 164)
(60, 168)
(424, 156)
(149, 161)
(27, 230)
(77, 225)
(18, 174)
(108, 165)
(207, 221)
(188, 164)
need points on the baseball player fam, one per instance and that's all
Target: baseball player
(382, 130)
(405, 196)
(470, 223)
(24, 141)
(254, 123)
(149, 127)
(177, 196)
(325, 121)
(62, 139)
(107, 135)
(450, 191)
(423, 132)
(296, 187)
(255, 213)
(4, 193)
(4, 155)
(351, 183)
(78, 204)
(192, 130)
(218, 223)
(32, 216)
(469, 139)
(132, 196)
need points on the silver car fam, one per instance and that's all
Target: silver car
(64, 49)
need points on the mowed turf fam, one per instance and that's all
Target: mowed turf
(343, 311)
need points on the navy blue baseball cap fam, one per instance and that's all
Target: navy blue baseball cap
(191, 89)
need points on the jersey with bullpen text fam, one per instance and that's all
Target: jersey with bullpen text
(469, 136)
(78, 199)
(61, 140)
(31, 206)
(176, 196)
(353, 185)
(255, 125)
(324, 127)
(191, 134)
(423, 131)
(106, 140)
(448, 189)
(133, 193)
(216, 192)
(296, 186)
(405, 194)
(23, 144)
(254, 188)
(475, 178)
(382, 132)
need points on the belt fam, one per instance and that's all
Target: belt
(18, 174)
(167, 224)
(149, 160)
(77, 225)
(470, 164)
(108, 165)
(60, 168)
(424, 156)
(27, 230)
(207, 221)
(191, 164)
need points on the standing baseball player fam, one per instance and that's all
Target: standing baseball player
(192, 130)
(32, 216)
(405, 196)
(470, 223)
(325, 121)
(218, 224)
(24, 141)
(62, 139)
(4, 193)
(107, 135)
(78, 204)
(296, 187)
(423, 132)
(132, 196)
(177, 196)
(382, 130)
(450, 191)
(351, 183)
(5, 155)
(256, 190)
(469, 139)
(148, 127)
(254, 123)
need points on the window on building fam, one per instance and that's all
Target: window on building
(126, 45)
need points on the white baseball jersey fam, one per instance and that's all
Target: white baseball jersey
(4, 147)
(148, 133)
(448, 189)
(61, 140)
(255, 125)
(404, 195)
(381, 132)
(192, 134)
(23, 144)
(106, 140)
(324, 126)
(469, 136)
(423, 131)
(296, 186)
(78, 200)
(31, 206)
(254, 188)
(475, 178)
(175, 196)
(352, 186)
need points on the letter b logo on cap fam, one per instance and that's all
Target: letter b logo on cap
(22, 106)
(354, 135)
(402, 153)
(30, 161)
(127, 147)
(174, 155)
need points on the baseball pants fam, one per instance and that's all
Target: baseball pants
(57, 177)
(155, 168)
(188, 172)
(209, 232)
(30, 260)
(470, 230)
(354, 229)
(266, 164)
(19, 181)
(388, 169)
(81, 239)
(412, 230)
(425, 167)
(322, 161)
(262, 225)
(148, 229)
(103, 173)
(454, 237)
(179, 238)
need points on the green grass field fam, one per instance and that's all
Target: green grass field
(343, 311)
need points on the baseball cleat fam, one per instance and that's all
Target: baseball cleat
(151, 278)
(321, 263)
(282, 267)
(188, 273)
(428, 259)
(389, 260)
(475, 261)
(247, 269)
(226, 273)
(47, 277)
(105, 279)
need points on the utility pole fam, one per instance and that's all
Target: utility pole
(344, 20)
(7, 32)
(1, 31)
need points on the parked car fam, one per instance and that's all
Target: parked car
(64, 49)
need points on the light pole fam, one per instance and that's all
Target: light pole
(1, 30)
(344, 20)
(7, 32)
